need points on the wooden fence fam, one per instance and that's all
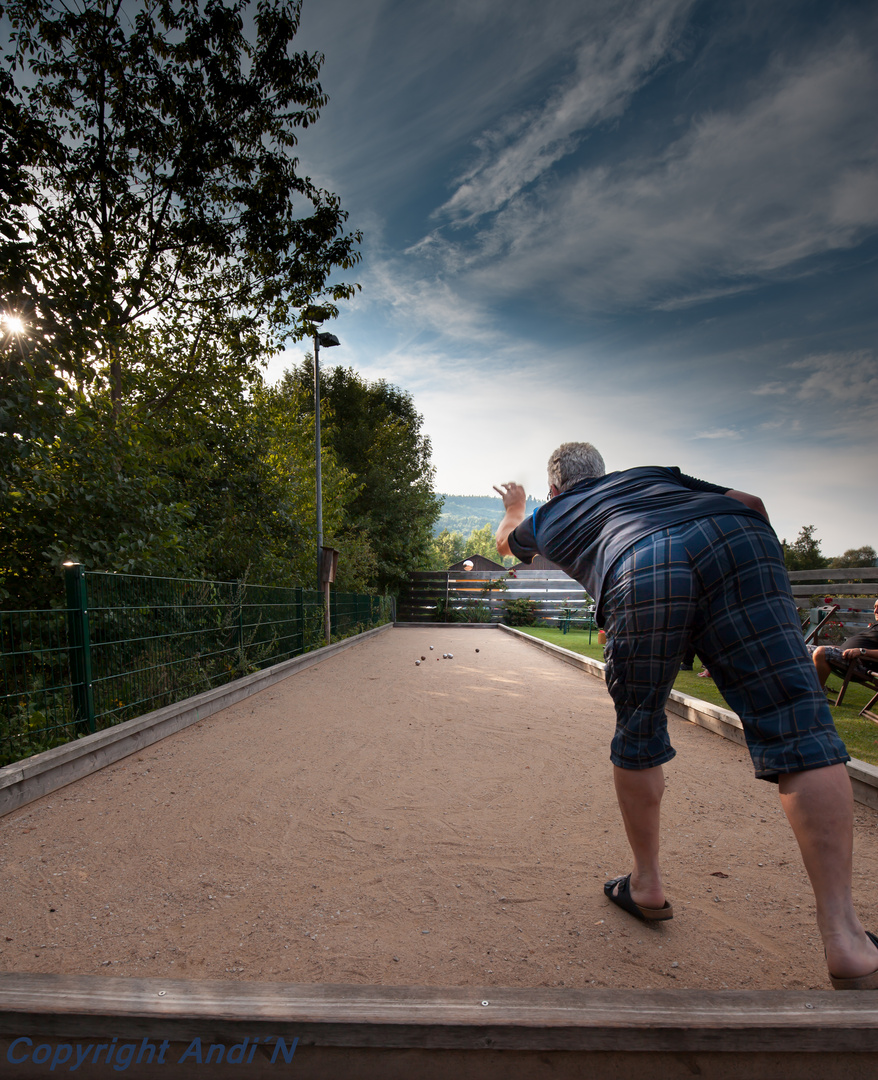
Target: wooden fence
(481, 596)
(854, 590)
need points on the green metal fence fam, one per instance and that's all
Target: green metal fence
(125, 645)
(36, 709)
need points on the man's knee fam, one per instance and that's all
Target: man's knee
(821, 663)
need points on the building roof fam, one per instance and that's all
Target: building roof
(539, 563)
(479, 563)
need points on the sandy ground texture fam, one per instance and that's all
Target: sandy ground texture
(451, 823)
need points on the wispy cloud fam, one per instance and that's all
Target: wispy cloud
(611, 66)
(832, 397)
(771, 388)
(412, 82)
(840, 378)
(742, 196)
(718, 433)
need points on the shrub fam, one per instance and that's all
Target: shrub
(521, 612)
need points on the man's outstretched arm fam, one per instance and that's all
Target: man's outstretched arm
(515, 502)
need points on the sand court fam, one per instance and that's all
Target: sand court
(371, 821)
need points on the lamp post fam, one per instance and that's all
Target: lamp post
(327, 341)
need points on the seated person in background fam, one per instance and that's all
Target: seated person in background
(829, 658)
(688, 662)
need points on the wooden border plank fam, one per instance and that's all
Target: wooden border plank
(92, 1006)
(401, 625)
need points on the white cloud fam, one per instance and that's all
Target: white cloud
(423, 303)
(832, 395)
(771, 388)
(849, 379)
(718, 433)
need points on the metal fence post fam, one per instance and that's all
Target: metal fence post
(240, 589)
(79, 645)
(299, 647)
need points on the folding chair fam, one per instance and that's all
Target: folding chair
(866, 677)
(812, 635)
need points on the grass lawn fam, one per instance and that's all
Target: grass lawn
(859, 734)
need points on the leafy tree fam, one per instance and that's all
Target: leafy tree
(856, 557)
(449, 548)
(804, 552)
(151, 144)
(375, 432)
(446, 549)
(74, 487)
(483, 542)
(289, 447)
(158, 242)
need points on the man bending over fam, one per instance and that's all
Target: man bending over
(670, 559)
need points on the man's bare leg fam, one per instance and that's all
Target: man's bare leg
(819, 807)
(823, 668)
(639, 793)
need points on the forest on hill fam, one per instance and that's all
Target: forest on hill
(464, 513)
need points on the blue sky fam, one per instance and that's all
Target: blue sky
(652, 225)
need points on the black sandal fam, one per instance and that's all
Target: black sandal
(618, 891)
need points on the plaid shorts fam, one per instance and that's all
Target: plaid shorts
(720, 583)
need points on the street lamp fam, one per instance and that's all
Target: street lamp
(327, 341)
(316, 316)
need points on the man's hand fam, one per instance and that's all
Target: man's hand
(513, 495)
(515, 502)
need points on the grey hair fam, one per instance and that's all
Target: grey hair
(574, 461)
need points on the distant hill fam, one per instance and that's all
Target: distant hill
(463, 513)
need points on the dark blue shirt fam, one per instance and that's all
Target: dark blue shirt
(586, 529)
